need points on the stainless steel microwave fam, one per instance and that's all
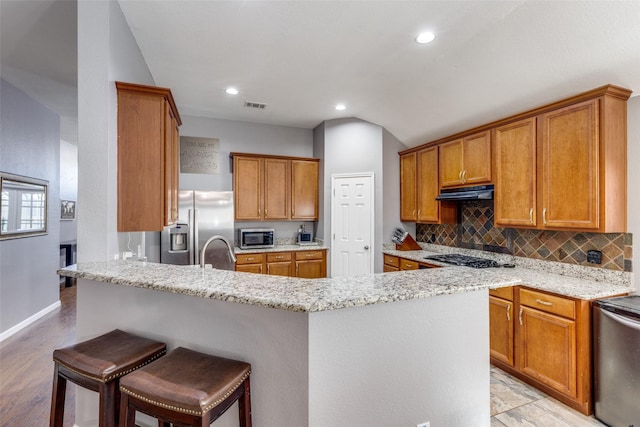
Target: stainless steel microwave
(250, 238)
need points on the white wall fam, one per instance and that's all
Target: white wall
(107, 52)
(633, 181)
(29, 146)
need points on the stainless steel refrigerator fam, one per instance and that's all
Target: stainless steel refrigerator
(201, 214)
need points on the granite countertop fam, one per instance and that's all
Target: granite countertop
(564, 279)
(282, 248)
(290, 293)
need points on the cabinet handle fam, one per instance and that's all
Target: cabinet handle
(418, 213)
(297, 267)
(265, 213)
(547, 303)
(460, 176)
(293, 212)
(258, 212)
(268, 268)
(544, 216)
(509, 312)
(531, 216)
(464, 176)
(520, 316)
(260, 269)
(249, 259)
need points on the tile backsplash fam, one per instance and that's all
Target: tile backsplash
(475, 230)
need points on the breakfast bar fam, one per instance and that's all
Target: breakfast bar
(374, 350)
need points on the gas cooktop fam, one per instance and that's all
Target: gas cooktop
(465, 260)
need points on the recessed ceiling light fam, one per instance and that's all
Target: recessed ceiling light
(425, 38)
(341, 107)
(232, 91)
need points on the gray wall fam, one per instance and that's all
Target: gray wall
(352, 145)
(68, 187)
(30, 146)
(391, 190)
(107, 52)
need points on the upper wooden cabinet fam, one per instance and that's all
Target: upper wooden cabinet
(515, 174)
(466, 161)
(570, 167)
(148, 142)
(274, 188)
(565, 168)
(419, 189)
(304, 189)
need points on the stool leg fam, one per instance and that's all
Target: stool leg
(244, 405)
(127, 414)
(57, 399)
(109, 403)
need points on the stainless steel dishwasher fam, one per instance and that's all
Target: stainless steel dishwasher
(616, 338)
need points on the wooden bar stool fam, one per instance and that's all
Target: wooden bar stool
(98, 364)
(186, 388)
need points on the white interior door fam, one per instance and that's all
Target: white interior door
(352, 219)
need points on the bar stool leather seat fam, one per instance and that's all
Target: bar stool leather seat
(187, 387)
(98, 364)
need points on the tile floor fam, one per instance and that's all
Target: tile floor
(514, 403)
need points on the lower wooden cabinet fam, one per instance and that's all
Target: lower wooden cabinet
(394, 263)
(311, 264)
(545, 340)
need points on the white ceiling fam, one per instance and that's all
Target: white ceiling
(489, 60)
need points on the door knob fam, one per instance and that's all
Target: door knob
(366, 248)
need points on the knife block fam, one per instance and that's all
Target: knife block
(408, 244)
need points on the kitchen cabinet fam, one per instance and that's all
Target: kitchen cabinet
(501, 332)
(515, 174)
(275, 188)
(250, 263)
(466, 161)
(311, 264)
(304, 190)
(570, 167)
(551, 343)
(148, 153)
(391, 263)
(279, 264)
(419, 189)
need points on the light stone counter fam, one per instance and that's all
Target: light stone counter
(288, 293)
(564, 279)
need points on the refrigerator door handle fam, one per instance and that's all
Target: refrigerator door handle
(196, 242)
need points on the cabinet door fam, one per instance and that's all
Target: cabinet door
(311, 269)
(247, 187)
(389, 268)
(501, 330)
(250, 268)
(408, 177)
(407, 264)
(570, 167)
(279, 268)
(515, 174)
(172, 153)
(451, 163)
(476, 158)
(276, 188)
(428, 189)
(304, 189)
(547, 346)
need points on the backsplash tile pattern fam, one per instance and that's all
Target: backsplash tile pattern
(475, 230)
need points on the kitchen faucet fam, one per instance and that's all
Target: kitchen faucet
(211, 239)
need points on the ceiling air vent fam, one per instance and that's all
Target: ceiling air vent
(257, 105)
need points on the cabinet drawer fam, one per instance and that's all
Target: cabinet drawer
(248, 258)
(391, 260)
(308, 255)
(504, 293)
(549, 303)
(406, 264)
(279, 257)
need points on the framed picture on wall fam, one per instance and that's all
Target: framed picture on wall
(67, 209)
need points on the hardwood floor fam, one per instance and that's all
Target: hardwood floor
(26, 367)
(26, 373)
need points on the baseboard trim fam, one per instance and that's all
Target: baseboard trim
(11, 331)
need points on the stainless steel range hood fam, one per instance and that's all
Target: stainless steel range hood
(481, 192)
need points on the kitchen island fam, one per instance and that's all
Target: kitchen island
(376, 350)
